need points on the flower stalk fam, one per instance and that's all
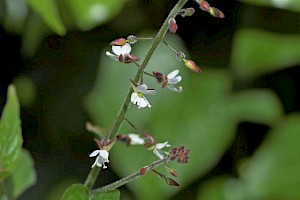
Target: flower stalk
(129, 178)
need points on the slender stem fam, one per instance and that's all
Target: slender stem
(129, 178)
(91, 178)
(131, 124)
(124, 107)
(170, 47)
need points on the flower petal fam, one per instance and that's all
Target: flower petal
(94, 153)
(142, 88)
(173, 74)
(143, 102)
(158, 153)
(150, 91)
(162, 145)
(104, 154)
(126, 48)
(175, 89)
(175, 80)
(135, 139)
(112, 56)
(134, 97)
(117, 50)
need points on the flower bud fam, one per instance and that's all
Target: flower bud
(171, 182)
(204, 5)
(216, 12)
(144, 170)
(132, 39)
(172, 171)
(172, 25)
(192, 65)
(187, 12)
(118, 42)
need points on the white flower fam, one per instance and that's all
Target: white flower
(102, 158)
(138, 98)
(173, 79)
(119, 50)
(135, 139)
(157, 149)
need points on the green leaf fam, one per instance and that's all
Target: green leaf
(273, 171)
(48, 11)
(76, 191)
(292, 5)
(113, 195)
(91, 13)
(10, 134)
(257, 52)
(23, 177)
(202, 118)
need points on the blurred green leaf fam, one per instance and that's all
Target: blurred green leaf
(23, 177)
(91, 13)
(10, 134)
(256, 106)
(203, 117)
(273, 172)
(212, 190)
(258, 52)
(292, 5)
(76, 191)
(113, 195)
(48, 11)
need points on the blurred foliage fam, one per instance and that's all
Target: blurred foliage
(204, 117)
(271, 173)
(16, 165)
(293, 5)
(35, 19)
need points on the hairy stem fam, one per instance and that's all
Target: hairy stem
(124, 107)
(129, 178)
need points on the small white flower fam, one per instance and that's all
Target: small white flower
(119, 50)
(135, 139)
(102, 158)
(138, 98)
(157, 149)
(173, 79)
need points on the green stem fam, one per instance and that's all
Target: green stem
(129, 178)
(91, 178)
(121, 114)
(3, 195)
(159, 38)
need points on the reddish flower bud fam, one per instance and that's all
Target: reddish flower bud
(124, 138)
(216, 12)
(171, 182)
(118, 42)
(204, 5)
(172, 172)
(172, 25)
(144, 170)
(192, 65)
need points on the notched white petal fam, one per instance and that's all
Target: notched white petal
(173, 74)
(126, 48)
(94, 153)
